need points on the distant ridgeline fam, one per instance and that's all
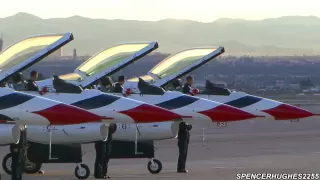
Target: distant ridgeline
(267, 37)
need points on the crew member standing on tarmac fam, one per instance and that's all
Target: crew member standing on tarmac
(100, 148)
(183, 134)
(112, 130)
(103, 150)
(16, 163)
(19, 155)
(118, 86)
(183, 143)
(188, 89)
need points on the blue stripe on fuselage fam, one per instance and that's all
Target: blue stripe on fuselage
(244, 101)
(96, 102)
(178, 102)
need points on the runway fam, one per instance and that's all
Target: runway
(241, 147)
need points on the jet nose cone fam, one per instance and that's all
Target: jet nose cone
(148, 114)
(62, 114)
(287, 112)
(224, 113)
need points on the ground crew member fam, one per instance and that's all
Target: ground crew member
(112, 130)
(16, 163)
(100, 148)
(183, 142)
(19, 155)
(118, 86)
(188, 87)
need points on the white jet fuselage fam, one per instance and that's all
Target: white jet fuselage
(22, 108)
(121, 109)
(194, 108)
(273, 110)
(252, 104)
(90, 132)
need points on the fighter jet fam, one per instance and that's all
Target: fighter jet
(24, 109)
(113, 59)
(27, 52)
(166, 73)
(31, 50)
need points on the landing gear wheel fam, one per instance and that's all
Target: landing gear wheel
(31, 167)
(156, 167)
(6, 163)
(82, 173)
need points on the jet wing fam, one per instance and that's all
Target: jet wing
(181, 63)
(27, 52)
(111, 60)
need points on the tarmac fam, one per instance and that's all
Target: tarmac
(241, 147)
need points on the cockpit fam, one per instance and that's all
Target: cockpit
(210, 88)
(106, 85)
(61, 86)
(146, 88)
(24, 53)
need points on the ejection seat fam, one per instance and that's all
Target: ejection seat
(18, 82)
(146, 88)
(175, 85)
(212, 89)
(107, 84)
(61, 86)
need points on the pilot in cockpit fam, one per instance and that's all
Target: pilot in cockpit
(188, 87)
(32, 85)
(118, 86)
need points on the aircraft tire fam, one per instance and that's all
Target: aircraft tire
(156, 168)
(6, 164)
(31, 167)
(84, 173)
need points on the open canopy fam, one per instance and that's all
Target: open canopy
(25, 53)
(109, 61)
(179, 64)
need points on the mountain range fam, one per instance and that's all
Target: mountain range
(276, 36)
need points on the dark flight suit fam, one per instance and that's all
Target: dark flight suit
(19, 155)
(16, 162)
(183, 142)
(186, 88)
(108, 143)
(32, 86)
(183, 138)
(100, 147)
(118, 88)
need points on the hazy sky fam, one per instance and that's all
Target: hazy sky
(199, 10)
